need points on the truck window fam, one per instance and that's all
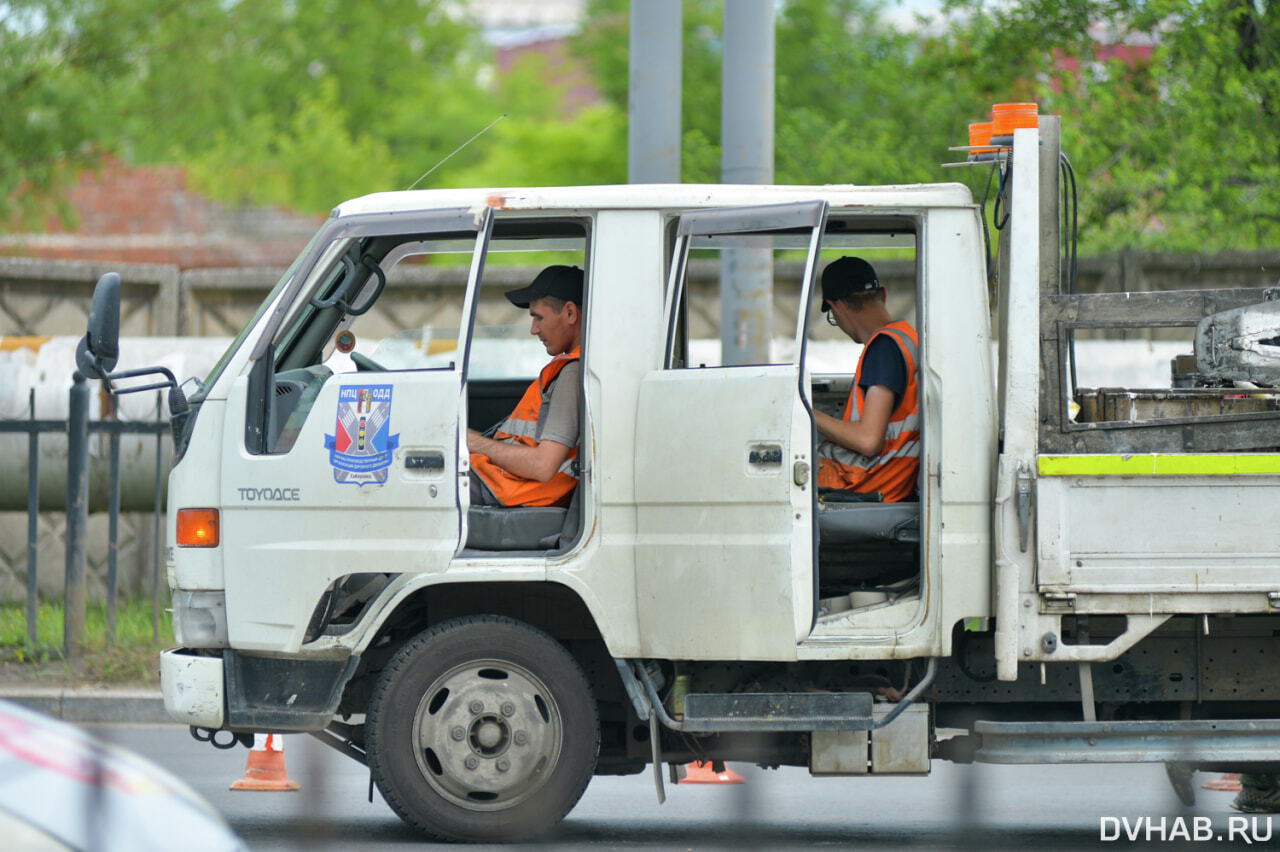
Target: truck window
(745, 263)
(374, 304)
(505, 359)
(868, 552)
(831, 357)
(504, 356)
(705, 309)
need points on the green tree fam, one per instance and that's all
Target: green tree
(860, 101)
(296, 102)
(58, 67)
(539, 142)
(322, 91)
(856, 100)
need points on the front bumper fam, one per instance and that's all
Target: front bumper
(194, 688)
(247, 692)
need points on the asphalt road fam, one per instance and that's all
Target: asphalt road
(983, 806)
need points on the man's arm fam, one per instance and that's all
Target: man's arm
(538, 462)
(866, 435)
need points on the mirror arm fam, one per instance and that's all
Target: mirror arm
(169, 381)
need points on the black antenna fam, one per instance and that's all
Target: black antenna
(456, 150)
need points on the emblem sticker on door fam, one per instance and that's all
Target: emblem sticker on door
(362, 445)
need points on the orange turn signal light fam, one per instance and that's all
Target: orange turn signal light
(197, 528)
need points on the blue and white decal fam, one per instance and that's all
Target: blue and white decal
(362, 446)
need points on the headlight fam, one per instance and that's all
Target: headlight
(200, 618)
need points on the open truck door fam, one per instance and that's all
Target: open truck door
(340, 464)
(723, 465)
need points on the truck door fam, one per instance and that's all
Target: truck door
(723, 455)
(343, 460)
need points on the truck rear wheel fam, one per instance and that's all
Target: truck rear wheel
(482, 729)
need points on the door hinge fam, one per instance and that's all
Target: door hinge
(1059, 601)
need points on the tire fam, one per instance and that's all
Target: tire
(482, 729)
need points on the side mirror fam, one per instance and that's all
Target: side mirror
(99, 350)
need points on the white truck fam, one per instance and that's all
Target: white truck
(1084, 574)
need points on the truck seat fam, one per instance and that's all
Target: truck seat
(501, 528)
(848, 523)
(522, 527)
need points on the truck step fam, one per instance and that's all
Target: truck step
(1192, 741)
(778, 711)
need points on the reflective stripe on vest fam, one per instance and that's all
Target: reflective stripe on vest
(893, 471)
(521, 427)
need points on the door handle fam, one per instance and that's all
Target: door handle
(765, 455)
(424, 461)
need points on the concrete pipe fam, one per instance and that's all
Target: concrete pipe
(41, 368)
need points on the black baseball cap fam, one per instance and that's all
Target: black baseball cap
(562, 282)
(846, 277)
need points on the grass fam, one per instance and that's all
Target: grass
(131, 658)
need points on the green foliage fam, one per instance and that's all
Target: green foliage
(306, 103)
(303, 103)
(855, 99)
(532, 152)
(315, 161)
(131, 657)
(861, 102)
(537, 145)
(51, 79)
(296, 103)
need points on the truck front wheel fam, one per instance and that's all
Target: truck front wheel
(482, 729)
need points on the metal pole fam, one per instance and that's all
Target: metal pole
(155, 536)
(746, 274)
(113, 535)
(653, 97)
(33, 523)
(77, 517)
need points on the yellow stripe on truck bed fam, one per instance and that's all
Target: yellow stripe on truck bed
(1160, 464)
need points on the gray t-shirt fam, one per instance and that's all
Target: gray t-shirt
(561, 404)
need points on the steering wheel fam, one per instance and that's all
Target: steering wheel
(365, 364)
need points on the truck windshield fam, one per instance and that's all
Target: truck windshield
(209, 380)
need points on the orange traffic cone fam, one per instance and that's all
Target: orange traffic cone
(703, 772)
(1229, 782)
(264, 770)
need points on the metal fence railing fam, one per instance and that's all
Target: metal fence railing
(77, 428)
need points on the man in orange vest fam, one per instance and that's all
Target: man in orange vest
(875, 449)
(531, 458)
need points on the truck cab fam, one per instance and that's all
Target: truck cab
(695, 511)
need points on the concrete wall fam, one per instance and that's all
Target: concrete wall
(48, 297)
(135, 559)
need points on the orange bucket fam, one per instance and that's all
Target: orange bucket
(1006, 118)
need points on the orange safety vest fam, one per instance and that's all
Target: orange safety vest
(893, 472)
(520, 428)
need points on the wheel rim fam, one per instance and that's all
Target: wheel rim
(487, 734)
